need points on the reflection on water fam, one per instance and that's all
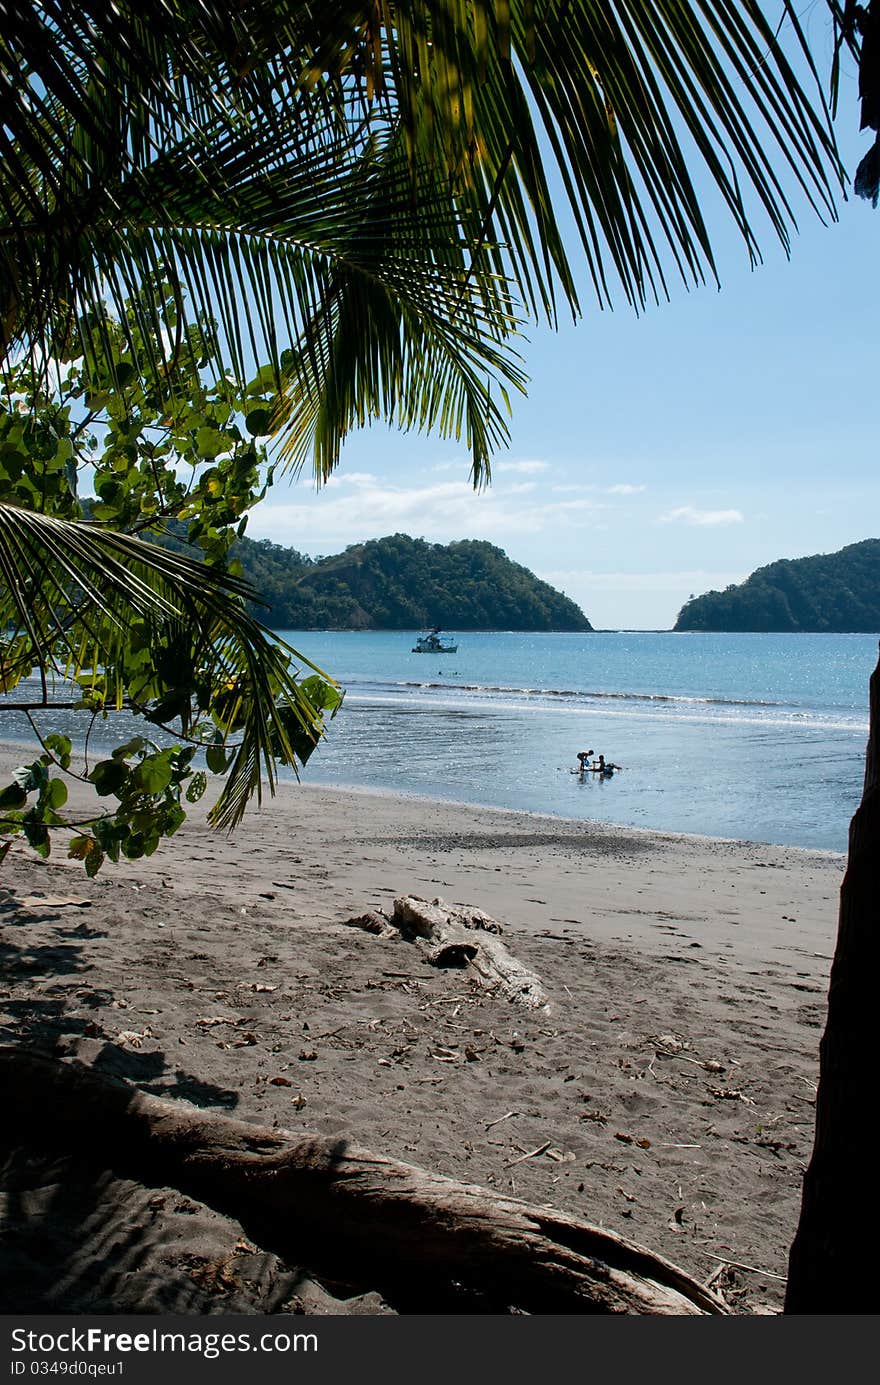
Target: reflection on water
(758, 737)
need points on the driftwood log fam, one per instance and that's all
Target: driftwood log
(341, 1211)
(451, 935)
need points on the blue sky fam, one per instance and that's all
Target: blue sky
(659, 456)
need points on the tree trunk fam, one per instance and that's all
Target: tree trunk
(355, 1217)
(833, 1260)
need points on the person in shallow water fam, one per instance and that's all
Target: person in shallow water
(582, 757)
(606, 766)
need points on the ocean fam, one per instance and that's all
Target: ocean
(753, 737)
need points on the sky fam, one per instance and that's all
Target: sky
(660, 456)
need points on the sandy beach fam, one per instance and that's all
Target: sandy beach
(670, 1087)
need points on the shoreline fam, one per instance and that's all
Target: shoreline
(289, 783)
(671, 1083)
(591, 824)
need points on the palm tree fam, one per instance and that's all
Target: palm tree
(361, 194)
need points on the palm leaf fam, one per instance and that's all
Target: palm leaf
(73, 594)
(173, 139)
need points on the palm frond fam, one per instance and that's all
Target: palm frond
(625, 93)
(134, 625)
(225, 151)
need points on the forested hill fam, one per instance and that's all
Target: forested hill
(399, 583)
(829, 592)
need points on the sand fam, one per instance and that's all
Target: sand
(672, 1083)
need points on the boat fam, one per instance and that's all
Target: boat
(432, 643)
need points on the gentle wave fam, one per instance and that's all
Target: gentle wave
(796, 719)
(590, 693)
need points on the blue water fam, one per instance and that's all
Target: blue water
(754, 737)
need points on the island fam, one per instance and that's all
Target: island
(827, 593)
(402, 583)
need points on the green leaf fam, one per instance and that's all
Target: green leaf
(13, 796)
(196, 787)
(181, 758)
(217, 758)
(71, 476)
(211, 442)
(57, 794)
(93, 862)
(110, 834)
(257, 422)
(62, 748)
(126, 374)
(132, 747)
(324, 696)
(109, 777)
(154, 773)
(37, 836)
(174, 817)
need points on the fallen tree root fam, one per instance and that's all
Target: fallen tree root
(343, 1211)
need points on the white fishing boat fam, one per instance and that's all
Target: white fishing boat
(433, 643)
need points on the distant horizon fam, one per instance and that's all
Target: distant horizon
(596, 630)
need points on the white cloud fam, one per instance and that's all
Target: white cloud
(621, 488)
(689, 514)
(526, 468)
(363, 506)
(351, 478)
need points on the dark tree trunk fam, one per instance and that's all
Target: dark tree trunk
(356, 1216)
(833, 1260)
